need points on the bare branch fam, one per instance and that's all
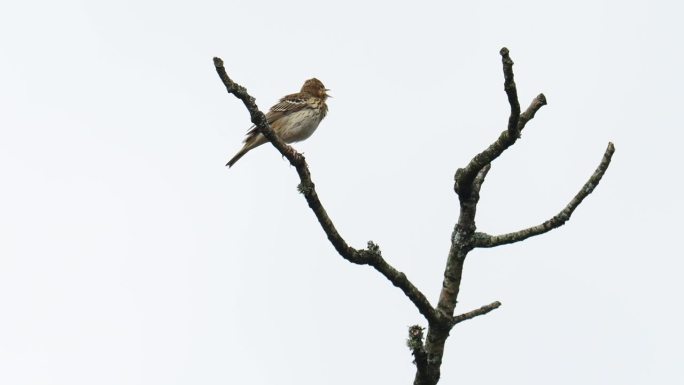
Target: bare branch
(516, 122)
(511, 92)
(486, 240)
(474, 313)
(529, 113)
(371, 256)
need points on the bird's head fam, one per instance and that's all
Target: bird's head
(315, 88)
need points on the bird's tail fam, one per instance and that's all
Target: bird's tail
(252, 141)
(237, 156)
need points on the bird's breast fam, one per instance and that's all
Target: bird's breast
(299, 125)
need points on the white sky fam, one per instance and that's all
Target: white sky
(130, 255)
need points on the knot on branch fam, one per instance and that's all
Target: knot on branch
(374, 250)
(306, 187)
(415, 337)
(462, 235)
(415, 343)
(372, 256)
(458, 175)
(462, 188)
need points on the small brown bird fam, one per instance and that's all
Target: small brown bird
(293, 119)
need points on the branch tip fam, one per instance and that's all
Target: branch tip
(474, 313)
(542, 99)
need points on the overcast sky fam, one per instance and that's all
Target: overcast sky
(130, 255)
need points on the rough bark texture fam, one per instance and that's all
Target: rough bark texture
(468, 181)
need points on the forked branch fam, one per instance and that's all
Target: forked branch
(516, 122)
(467, 184)
(429, 352)
(369, 256)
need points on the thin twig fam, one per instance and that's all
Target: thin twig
(511, 92)
(477, 312)
(486, 240)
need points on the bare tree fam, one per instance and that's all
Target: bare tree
(468, 181)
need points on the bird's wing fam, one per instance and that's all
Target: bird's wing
(287, 105)
(290, 103)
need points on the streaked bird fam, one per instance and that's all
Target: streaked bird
(294, 118)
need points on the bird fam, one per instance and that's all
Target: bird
(294, 118)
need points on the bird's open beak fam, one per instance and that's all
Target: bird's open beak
(326, 93)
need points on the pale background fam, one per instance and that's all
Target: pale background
(130, 255)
